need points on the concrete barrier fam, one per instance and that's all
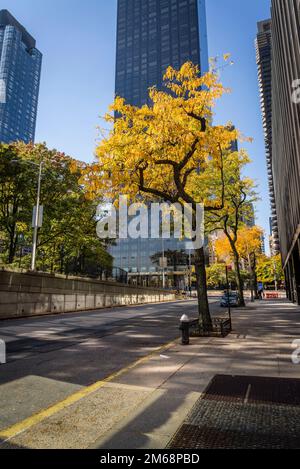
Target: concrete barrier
(26, 294)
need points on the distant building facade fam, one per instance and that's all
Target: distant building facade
(20, 70)
(264, 64)
(286, 135)
(151, 36)
(249, 220)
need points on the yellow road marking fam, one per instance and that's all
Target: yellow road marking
(20, 427)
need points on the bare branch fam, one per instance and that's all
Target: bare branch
(200, 119)
(189, 155)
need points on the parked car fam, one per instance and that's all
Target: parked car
(233, 299)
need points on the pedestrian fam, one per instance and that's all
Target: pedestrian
(260, 293)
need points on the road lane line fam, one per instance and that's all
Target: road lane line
(29, 422)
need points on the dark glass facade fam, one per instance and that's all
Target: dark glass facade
(152, 35)
(141, 258)
(286, 134)
(264, 65)
(20, 69)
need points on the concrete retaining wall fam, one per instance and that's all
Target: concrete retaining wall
(35, 294)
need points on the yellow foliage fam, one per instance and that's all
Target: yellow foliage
(226, 57)
(223, 249)
(161, 150)
(249, 242)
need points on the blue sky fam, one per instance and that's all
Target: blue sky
(77, 39)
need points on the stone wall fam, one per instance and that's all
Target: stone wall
(34, 294)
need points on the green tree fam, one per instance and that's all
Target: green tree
(69, 224)
(269, 269)
(216, 275)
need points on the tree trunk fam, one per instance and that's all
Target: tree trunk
(253, 275)
(203, 305)
(12, 248)
(256, 285)
(255, 281)
(251, 279)
(239, 279)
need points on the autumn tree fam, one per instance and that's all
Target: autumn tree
(223, 249)
(157, 151)
(238, 195)
(249, 246)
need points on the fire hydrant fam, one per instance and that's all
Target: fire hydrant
(185, 329)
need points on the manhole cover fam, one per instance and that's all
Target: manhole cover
(254, 389)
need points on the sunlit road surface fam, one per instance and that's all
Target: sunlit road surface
(50, 358)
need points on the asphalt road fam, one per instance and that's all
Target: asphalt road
(49, 358)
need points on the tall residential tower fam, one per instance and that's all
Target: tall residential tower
(264, 63)
(20, 69)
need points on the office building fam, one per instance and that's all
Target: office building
(286, 135)
(20, 70)
(151, 36)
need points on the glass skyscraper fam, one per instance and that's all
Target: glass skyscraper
(20, 69)
(152, 35)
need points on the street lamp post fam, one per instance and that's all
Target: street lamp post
(163, 261)
(275, 275)
(36, 220)
(37, 210)
(190, 272)
(228, 294)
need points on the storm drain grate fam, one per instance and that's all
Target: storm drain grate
(196, 438)
(254, 389)
(244, 412)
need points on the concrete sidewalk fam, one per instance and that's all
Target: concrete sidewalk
(144, 405)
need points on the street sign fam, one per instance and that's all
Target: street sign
(26, 250)
(41, 216)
